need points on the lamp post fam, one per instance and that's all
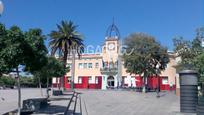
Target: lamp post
(158, 82)
(1, 8)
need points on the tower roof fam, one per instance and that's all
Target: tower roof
(112, 31)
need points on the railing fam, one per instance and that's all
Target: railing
(74, 98)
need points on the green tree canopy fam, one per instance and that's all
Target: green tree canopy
(37, 58)
(190, 52)
(144, 55)
(54, 68)
(21, 48)
(3, 34)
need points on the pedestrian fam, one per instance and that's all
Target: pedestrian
(171, 86)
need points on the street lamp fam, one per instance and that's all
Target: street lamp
(158, 82)
(1, 8)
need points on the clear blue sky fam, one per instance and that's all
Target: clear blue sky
(163, 19)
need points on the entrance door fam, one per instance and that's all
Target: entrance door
(110, 81)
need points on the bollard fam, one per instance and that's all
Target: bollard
(188, 91)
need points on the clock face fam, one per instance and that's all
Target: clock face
(111, 46)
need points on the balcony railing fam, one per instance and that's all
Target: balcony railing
(109, 71)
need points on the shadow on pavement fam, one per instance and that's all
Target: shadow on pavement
(58, 99)
(52, 109)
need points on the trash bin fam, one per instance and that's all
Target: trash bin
(188, 91)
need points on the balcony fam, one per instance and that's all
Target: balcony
(109, 71)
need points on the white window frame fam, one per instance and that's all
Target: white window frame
(80, 66)
(85, 65)
(90, 65)
(90, 79)
(96, 79)
(96, 65)
(165, 80)
(80, 80)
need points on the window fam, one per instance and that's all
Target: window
(69, 65)
(123, 80)
(165, 80)
(90, 65)
(79, 79)
(96, 80)
(96, 65)
(69, 79)
(111, 65)
(80, 66)
(85, 65)
(90, 79)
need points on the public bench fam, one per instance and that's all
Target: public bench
(34, 104)
(30, 106)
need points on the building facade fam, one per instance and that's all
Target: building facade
(105, 70)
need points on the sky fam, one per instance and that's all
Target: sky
(163, 19)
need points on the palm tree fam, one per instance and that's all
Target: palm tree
(66, 41)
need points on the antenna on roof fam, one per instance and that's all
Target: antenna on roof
(113, 21)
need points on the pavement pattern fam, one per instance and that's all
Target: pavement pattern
(9, 98)
(114, 102)
(100, 102)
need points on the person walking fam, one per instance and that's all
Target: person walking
(171, 86)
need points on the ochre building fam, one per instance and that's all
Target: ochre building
(105, 69)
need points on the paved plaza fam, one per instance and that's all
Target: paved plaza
(9, 98)
(100, 102)
(129, 103)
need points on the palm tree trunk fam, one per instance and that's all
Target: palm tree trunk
(39, 81)
(73, 69)
(65, 64)
(19, 92)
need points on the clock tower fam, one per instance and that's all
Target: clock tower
(111, 46)
(111, 60)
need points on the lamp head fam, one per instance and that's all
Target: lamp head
(1, 7)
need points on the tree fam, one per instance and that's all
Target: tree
(188, 50)
(191, 53)
(35, 39)
(199, 64)
(37, 57)
(28, 81)
(144, 54)
(18, 49)
(66, 41)
(7, 81)
(13, 53)
(3, 33)
(54, 68)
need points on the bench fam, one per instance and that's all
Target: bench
(34, 104)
